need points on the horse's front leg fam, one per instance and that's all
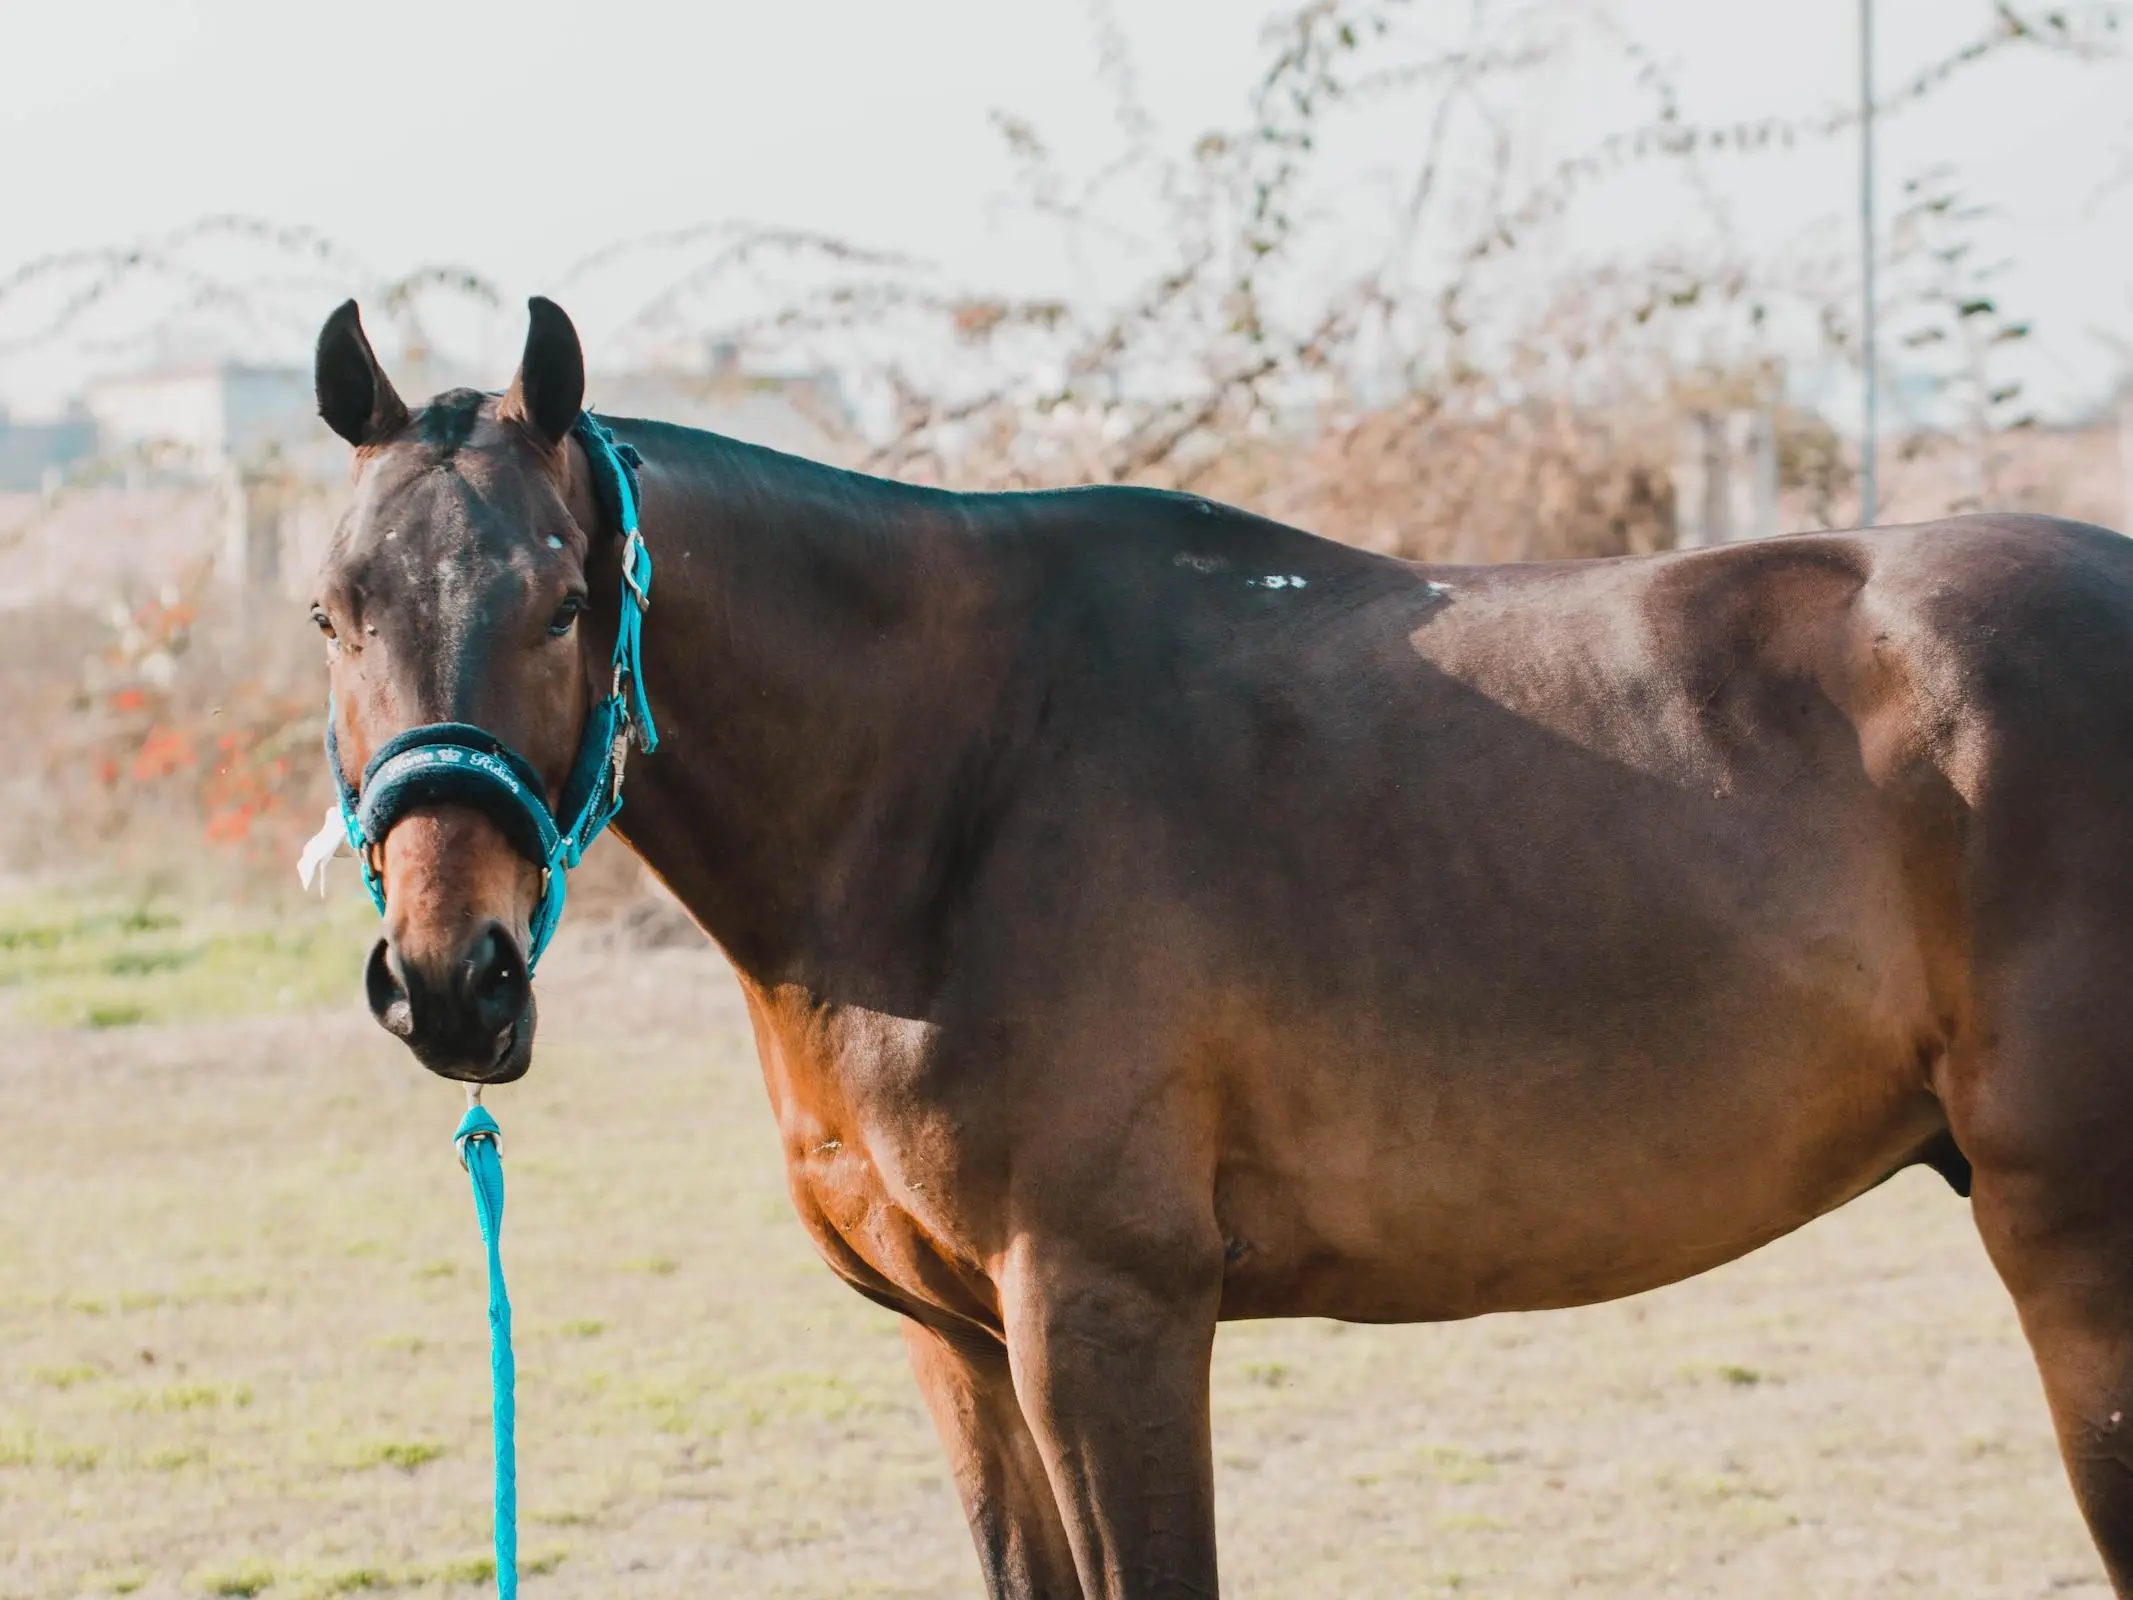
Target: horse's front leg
(1110, 1353)
(1007, 1496)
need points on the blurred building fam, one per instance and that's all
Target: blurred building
(155, 477)
(36, 456)
(204, 422)
(247, 438)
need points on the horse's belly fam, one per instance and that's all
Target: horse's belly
(1452, 1181)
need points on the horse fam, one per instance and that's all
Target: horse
(1150, 915)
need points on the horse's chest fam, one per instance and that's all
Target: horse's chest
(885, 1234)
(874, 1184)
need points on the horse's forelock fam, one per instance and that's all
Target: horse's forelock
(448, 421)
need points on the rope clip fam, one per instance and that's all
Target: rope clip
(460, 1145)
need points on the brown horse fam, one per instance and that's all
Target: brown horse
(1151, 914)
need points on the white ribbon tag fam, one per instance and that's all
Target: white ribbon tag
(320, 849)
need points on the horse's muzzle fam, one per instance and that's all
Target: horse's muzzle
(470, 1017)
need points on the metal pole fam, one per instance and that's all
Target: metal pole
(2125, 456)
(1870, 429)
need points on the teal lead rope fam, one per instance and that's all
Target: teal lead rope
(480, 1144)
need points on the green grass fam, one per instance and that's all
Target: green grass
(96, 963)
(250, 1578)
(117, 1580)
(65, 1377)
(254, 1578)
(352, 1580)
(201, 1397)
(407, 1455)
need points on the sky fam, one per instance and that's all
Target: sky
(517, 137)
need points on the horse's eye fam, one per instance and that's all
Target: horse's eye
(566, 616)
(325, 623)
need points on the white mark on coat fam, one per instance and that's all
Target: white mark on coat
(1437, 591)
(1275, 580)
(827, 1146)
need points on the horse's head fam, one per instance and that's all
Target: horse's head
(451, 593)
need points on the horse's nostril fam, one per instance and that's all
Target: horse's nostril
(386, 993)
(496, 981)
(471, 1017)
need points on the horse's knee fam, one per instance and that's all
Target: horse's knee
(1074, 1322)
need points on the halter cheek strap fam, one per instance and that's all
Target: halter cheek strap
(456, 763)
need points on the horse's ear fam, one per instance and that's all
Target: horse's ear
(354, 395)
(550, 386)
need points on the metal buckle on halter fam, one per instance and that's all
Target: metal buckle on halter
(632, 547)
(626, 733)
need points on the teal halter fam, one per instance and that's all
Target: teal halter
(458, 763)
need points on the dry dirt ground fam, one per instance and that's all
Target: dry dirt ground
(242, 1352)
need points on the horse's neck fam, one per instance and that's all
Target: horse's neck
(821, 652)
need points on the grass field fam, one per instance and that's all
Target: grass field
(242, 1342)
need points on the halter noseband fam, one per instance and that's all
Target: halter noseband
(455, 763)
